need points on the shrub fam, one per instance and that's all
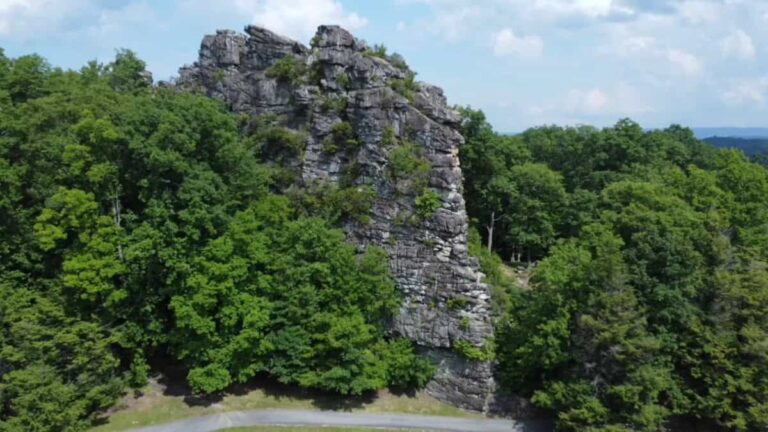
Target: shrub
(388, 138)
(343, 80)
(464, 325)
(350, 174)
(377, 50)
(503, 285)
(342, 136)
(405, 87)
(288, 69)
(427, 203)
(398, 61)
(334, 103)
(315, 42)
(316, 73)
(405, 369)
(394, 59)
(334, 203)
(471, 352)
(409, 168)
(272, 140)
(455, 304)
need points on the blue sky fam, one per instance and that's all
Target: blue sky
(524, 62)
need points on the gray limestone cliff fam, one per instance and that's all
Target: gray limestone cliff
(445, 303)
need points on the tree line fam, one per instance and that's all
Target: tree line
(139, 223)
(648, 309)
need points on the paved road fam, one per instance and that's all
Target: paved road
(232, 419)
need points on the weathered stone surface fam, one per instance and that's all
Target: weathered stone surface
(444, 300)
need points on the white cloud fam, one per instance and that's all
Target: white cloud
(298, 19)
(585, 105)
(591, 102)
(506, 43)
(591, 8)
(618, 100)
(451, 20)
(24, 19)
(738, 44)
(685, 62)
(700, 11)
(631, 46)
(746, 91)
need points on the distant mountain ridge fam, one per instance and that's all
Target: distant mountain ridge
(752, 141)
(750, 146)
(730, 132)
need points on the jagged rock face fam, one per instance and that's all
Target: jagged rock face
(444, 300)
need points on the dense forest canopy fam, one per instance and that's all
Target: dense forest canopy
(139, 223)
(649, 300)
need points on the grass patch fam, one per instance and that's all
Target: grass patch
(157, 405)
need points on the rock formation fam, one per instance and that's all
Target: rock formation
(340, 80)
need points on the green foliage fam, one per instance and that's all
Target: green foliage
(464, 325)
(137, 223)
(128, 72)
(342, 136)
(343, 80)
(405, 369)
(272, 141)
(314, 42)
(351, 174)
(471, 352)
(334, 103)
(398, 61)
(456, 303)
(427, 203)
(408, 168)
(639, 311)
(269, 291)
(394, 59)
(57, 369)
(388, 137)
(503, 286)
(334, 203)
(406, 87)
(289, 69)
(377, 50)
(26, 77)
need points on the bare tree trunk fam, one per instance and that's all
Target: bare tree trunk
(117, 211)
(490, 228)
(490, 231)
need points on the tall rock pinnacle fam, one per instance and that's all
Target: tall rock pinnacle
(340, 81)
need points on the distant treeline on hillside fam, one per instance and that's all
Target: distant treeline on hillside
(750, 146)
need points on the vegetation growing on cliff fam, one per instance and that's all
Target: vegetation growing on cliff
(138, 222)
(650, 298)
(289, 69)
